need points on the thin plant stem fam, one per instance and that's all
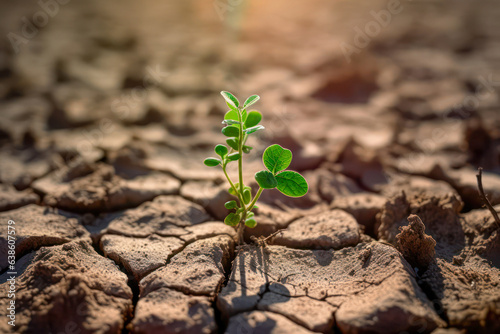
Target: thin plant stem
(240, 150)
(257, 195)
(485, 199)
(241, 224)
(232, 184)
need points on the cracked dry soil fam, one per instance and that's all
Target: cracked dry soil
(119, 225)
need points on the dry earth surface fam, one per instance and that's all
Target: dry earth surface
(107, 111)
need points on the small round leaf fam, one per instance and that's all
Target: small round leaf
(232, 219)
(253, 118)
(233, 156)
(247, 196)
(230, 205)
(276, 158)
(292, 184)
(233, 143)
(247, 149)
(231, 131)
(250, 223)
(266, 179)
(211, 162)
(231, 115)
(221, 150)
(231, 189)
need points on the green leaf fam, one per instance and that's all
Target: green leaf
(230, 122)
(247, 195)
(251, 100)
(247, 149)
(231, 131)
(266, 179)
(250, 215)
(230, 99)
(292, 184)
(233, 143)
(253, 129)
(212, 162)
(234, 156)
(221, 150)
(276, 158)
(230, 205)
(232, 107)
(231, 114)
(253, 118)
(232, 219)
(250, 223)
(231, 190)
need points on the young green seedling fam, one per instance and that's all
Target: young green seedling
(241, 123)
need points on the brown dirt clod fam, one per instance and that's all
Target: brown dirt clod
(416, 246)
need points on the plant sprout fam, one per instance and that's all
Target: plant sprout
(241, 123)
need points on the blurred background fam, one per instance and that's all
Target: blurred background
(362, 88)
